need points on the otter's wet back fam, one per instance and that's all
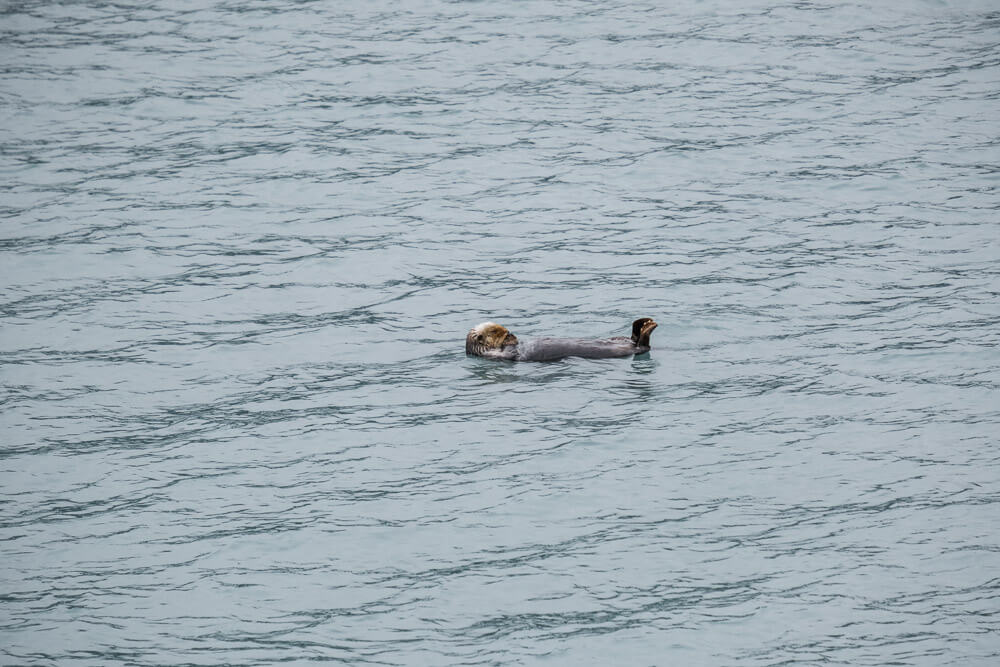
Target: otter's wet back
(242, 245)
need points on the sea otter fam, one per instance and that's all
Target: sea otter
(494, 342)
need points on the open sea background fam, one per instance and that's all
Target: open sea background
(241, 244)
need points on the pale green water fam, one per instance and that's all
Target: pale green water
(241, 245)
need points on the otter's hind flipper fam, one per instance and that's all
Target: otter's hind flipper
(641, 330)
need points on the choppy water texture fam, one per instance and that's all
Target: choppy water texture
(242, 243)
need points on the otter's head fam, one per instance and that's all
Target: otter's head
(488, 336)
(641, 329)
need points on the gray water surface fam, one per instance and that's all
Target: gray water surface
(241, 244)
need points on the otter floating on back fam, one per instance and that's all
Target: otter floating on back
(493, 341)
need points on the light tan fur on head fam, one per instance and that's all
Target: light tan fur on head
(488, 336)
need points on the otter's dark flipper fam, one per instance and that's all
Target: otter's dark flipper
(641, 330)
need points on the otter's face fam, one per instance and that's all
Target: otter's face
(488, 336)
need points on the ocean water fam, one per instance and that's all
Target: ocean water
(241, 244)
